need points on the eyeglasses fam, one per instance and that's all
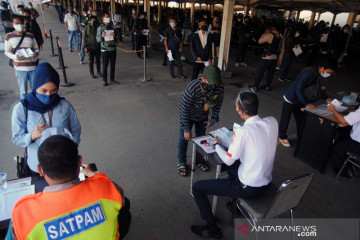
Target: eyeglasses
(244, 91)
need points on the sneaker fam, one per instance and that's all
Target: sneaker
(237, 64)
(284, 142)
(172, 76)
(243, 64)
(92, 75)
(99, 74)
(81, 62)
(206, 232)
(277, 68)
(114, 81)
(281, 79)
(182, 77)
(105, 84)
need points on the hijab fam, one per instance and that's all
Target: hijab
(44, 73)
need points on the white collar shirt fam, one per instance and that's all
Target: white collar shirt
(203, 38)
(353, 119)
(255, 145)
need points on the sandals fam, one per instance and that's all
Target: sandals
(203, 166)
(182, 169)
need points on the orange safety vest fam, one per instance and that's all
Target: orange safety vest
(88, 210)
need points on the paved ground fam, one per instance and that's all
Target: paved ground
(131, 130)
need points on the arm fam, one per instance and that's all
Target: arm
(210, 29)
(85, 37)
(166, 37)
(20, 136)
(186, 104)
(99, 32)
(193, 48)
(216, 110)
(302, 82)
(266, 38)
(75, 127)
(235, 149)
(8, 50)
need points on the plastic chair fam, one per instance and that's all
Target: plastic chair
(353, 159)
(274, 201)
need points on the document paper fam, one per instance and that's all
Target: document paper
(224, 135)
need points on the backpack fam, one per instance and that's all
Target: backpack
(313, 92)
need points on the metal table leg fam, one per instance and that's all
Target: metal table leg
(192, 168)
(217, 176)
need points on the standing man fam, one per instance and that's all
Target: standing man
(116, 19)
(201, 49)
(34, 28)
(173, 42)
(60, 10)
(130, 24)
(244, 35)
(20, 8)
(106, 36)
(72, 28)
(295, 99)
(24, 67)
(139, 29)
(91, 46)
(272, 41)
(186, 32)
(5, 17)
(83, 21)
(254, 145)
(201, 96)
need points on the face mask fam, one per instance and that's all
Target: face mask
(204, 28)
(297, 34)
(205, 17)
(143, 17)
(19, 27)
(46, 99)
(106, 20)
(71, 11)
(30, 7)
(173, 24)
(133, 12)
(346, 30)
(21, 12)
(325, 75)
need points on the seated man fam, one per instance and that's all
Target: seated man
(351, 144)
(68, 208)
(254, 145)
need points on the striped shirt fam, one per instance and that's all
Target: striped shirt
(11, 41)
(192, 104)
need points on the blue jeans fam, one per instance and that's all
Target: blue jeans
(82, 52)
(71, 34)
(183, 144)
(22, 78)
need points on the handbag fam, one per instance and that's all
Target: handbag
(17, 46)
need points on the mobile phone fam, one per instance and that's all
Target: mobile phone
(203, 142)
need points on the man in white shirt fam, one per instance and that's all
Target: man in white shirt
(351, 144)
(72, 28)
(254, 145)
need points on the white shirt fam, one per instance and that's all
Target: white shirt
(255, 145)
(71, 21)
(353, 119)
(203, 38)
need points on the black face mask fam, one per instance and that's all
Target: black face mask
(204, 27)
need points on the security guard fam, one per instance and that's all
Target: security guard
(67, 208)
(254, 144)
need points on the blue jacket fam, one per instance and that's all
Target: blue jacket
(294, 93)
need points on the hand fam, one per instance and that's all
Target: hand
(167, 50)
(103, 34)
(209, 62)
(180, 50)
(328, 101)
(67, 31)
(40, 48)
(331, 108)
(127, 29)
(187, 136)
(267, 31)
(37, 131)
(87, 171)
(35, 54)
(216, 140)
(19, 57)
(85, 50)
(310, 106)
(112, 34)
(199, 59)
(216, 31)
(208, 124)
(296, 46)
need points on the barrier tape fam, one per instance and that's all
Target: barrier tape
(127, 51)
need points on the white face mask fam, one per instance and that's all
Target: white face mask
(297, 34)
(106, 20)
(19, 27)
(21, 12)
(346, 30)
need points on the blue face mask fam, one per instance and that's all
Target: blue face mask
(173, 24)
(46, 99)
(325, 75)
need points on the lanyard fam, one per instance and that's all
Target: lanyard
(46, 125)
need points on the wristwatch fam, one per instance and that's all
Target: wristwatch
(214, 145)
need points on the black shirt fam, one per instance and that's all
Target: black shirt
(174, 38)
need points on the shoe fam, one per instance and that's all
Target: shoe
(277, 68)
(237, 64)
(243, 64)
(206, 232)
(253, 88)
(71, 50)
(164, 64)
(114, 81)
(284, 142)
(281, 79)
(92, 75)
(105, 84)
(182, 77)
(99, 74)
(81, 62)
(233, 209)
(172, 76)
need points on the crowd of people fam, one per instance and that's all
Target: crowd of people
(250, 156)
